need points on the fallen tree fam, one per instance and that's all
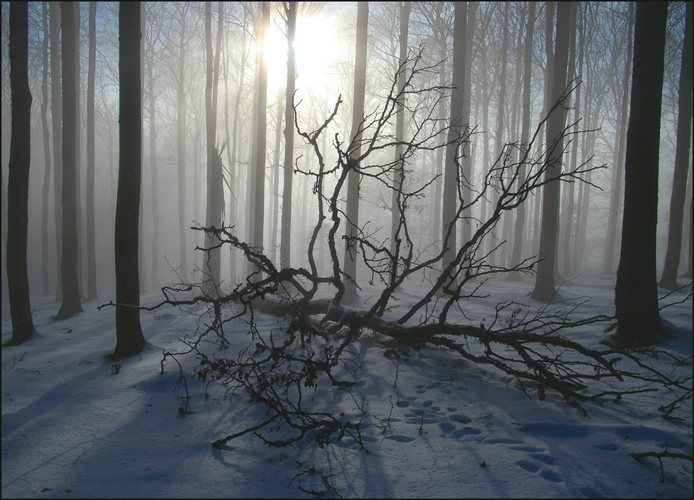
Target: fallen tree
(278, 368)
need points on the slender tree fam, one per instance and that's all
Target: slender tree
(618, 158)
(352, 209)
(71, 303)
(525, 130)
(215, 196)
(679, 177)
(45, 280)
(91, 157)
(395, 212)
(130, 340)
(18, 179)
(182, 11)
(451, 177)
(290, 9)
(636, 294)
(260, 138)
(545, 280)
(56, 125)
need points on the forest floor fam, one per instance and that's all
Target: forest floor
(76, 425)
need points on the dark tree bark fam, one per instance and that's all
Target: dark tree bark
(181, 141)
(18, 178)
(150, 56)
(57, 124)
(71, 303)
(352, 209)
(679, 178)
(501, 119)
(545, 280)
(215, 197)
(617, 169)
(285, 238)
(45, 280)
(451, 178)
(91, 157)
(130, 340)
(525, 131)
(260, 140)
(399, 136)
(636, 294)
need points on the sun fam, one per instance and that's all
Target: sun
(316, 49)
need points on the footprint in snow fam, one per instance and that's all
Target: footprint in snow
(528, 465)
(400, 438)
(532, 466)
(606, 447)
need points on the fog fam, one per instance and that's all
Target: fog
(325, 58)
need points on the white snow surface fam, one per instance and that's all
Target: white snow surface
(435, 424)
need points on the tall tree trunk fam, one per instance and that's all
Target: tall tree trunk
(91, 157)
(501, 118)
(441, 114)
(18, 178)
(71, 303)
(285, 239)
(545, 280)
(181, 147)
(45, 280)
(679, 177)
(234, 170)
(525, 131)
(467, 163)
(154, 237)
(451, 174)
(566, 233)
(57, 124)
(636, 294)
(618, 158)
(129, 336)
(352, 209)
(399, 174)
(275, 181)
(260, 138)
(215, 196)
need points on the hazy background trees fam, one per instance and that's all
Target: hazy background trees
(508, 52)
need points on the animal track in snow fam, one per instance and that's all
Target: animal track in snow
(400, 438)
(530, 463)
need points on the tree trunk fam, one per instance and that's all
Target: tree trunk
(679, 177)
(618, 158)
(276, 181)
(545, 280)
(45, 280)
(565, 257)
(285, 239)
(154, 237)
(214, 205)
(71, 303)
(352, 209)
(500, 121)
(18, 178)
(399, 174)
(91, 157)
(57, 124)
(441, 113)
(260, 138)
(525, 131)
(636, 294)
(129, 336)
(181, 148)
(451, 178)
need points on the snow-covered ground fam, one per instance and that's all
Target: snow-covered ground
(74, 425)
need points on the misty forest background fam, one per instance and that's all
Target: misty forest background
(216, 88)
